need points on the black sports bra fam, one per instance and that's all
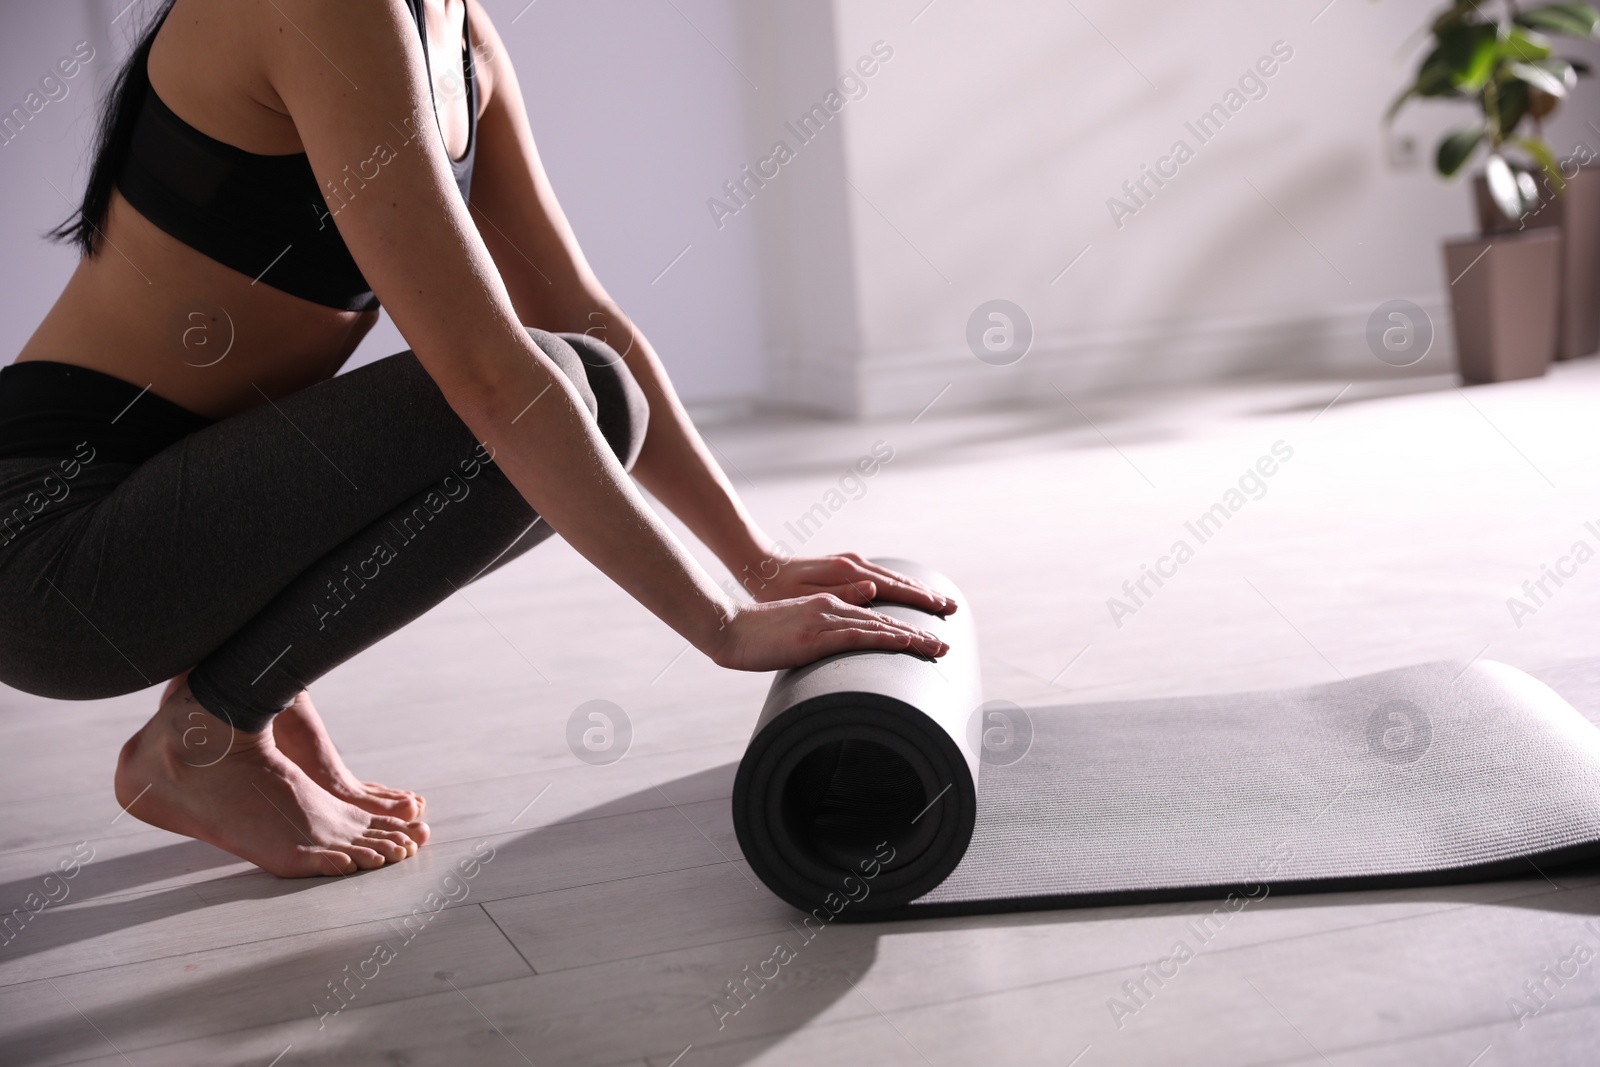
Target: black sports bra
(266, 216)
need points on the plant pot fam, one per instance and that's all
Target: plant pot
(1504, 296)
(1576, 213)
(1491, 222)
(1580, 268)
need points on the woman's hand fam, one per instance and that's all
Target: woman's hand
(792, 633)
(850, 578)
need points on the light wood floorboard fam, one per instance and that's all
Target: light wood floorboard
(617, 908)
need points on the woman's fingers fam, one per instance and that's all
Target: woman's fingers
(857, 580)
(848, 616)
(860, 611)
(918, 596)
(901, 588)
(850, 640)
(830, 605)
(789, 633)
(855, 592)
(925, 643)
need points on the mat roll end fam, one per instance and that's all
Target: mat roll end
(858, 793)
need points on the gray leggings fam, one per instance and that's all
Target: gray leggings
(266, 549)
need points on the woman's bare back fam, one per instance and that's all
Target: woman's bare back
(151, 310)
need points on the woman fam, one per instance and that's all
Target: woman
(187, 491)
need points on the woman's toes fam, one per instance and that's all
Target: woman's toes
(406, 846)
(415, 802)
(302, 736)
(366, 859)
(377, 799)
(416, 829)
(398, 805)
(256, 802)
(322, 862)
(392, 851)
(407, 806)
(398, 794)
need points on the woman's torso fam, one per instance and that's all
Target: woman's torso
(149, 309)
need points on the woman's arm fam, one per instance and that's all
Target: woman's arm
(553, 287)
(351, 76)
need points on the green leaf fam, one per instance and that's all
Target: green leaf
(1503, 186)
(1546, 158)
(1436, 79)
(1457, 148)
(1538, 77)
(1524, 45)
(1466, 54)
(1482, 60)
(1569, 20)
(1513, 101)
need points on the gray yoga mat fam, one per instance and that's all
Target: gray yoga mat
(879, 785)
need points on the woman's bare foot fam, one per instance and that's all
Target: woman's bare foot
(300, 734)
(189, 772)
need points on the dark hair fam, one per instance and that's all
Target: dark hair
(114, 134)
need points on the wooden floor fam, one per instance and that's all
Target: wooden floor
(608, 907)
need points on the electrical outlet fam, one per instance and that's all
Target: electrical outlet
(1401, 150)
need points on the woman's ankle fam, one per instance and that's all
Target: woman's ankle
(197, 736)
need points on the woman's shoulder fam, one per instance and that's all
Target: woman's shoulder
(218, 63)
(489, 57)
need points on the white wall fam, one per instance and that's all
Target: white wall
(42, 169)
(977, 166)
(635, 114)
(988, 148)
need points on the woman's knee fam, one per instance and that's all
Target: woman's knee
(564, 356)
(622, 413)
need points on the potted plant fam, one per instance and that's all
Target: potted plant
(1505, 284)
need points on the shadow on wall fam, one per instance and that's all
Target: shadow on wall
(1252, 242)
(629, 969)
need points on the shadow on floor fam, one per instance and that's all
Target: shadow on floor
(1368, 392)
(1052, 422)
(437, 1003)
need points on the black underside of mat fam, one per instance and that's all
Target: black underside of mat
(1545, 864)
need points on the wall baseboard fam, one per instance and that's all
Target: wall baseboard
(1331, 344)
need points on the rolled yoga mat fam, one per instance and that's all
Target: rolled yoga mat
(865, 789)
